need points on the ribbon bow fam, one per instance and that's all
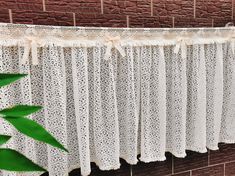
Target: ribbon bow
(31, 44)
(113, 42)
(181, 44)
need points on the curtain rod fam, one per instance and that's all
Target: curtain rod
(114, 28)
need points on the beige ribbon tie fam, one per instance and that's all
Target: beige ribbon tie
(181, 44)
(113, 42)
(31, 45)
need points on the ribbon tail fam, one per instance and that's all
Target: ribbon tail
(218, 91)
(34, 53)
(121, 50)
(184, 51)
(108, 52)
(177, 48)
(25, 57)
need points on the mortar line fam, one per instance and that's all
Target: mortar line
(74, 19)
(194, 8)
(127, 21)
(208, 157)
(102, 6)
(10, 15)
(43, 5)
(151, 7)
(131, 174)
(232, 9)
(224, 169)
(213, 165)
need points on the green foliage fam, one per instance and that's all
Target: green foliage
(10, 159)
(14, 161)
(7, 78)
(34, 130)
(4, 139)
(20, 110)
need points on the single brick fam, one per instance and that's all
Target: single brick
(4, 15)
(193, 160)
(150, 21)
(98, 20)
(225, 153)
(154, 168)
(217, 170)
(43, 18)
(76, 6)
(130, 7)
(172, 8)
(213, 8)
(192, 22)
(22, 4)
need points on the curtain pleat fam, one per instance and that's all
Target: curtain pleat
(127, 107)
(153, 97)
(200, 126)
(145, 100)
(176, 103)
(81, 102)
(161, 93)
(218, 92)
(214, 94)
(29, 146)
(55, 106)
(97, 121)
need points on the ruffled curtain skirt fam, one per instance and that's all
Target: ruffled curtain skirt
(148, 102)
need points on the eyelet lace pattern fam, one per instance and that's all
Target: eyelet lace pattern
(171, 90)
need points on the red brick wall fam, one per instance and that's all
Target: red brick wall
(137, 13)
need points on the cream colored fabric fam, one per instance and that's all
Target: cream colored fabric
(111, 93)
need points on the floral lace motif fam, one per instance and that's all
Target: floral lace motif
(149, 97)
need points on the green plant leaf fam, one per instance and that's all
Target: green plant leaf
(7, 78)
(12, 160)
(20, 110)
(4, 139)
(33, 130)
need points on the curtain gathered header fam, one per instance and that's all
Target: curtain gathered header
(30, 37)
(111, 93)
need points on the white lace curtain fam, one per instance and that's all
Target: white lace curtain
(116, 93)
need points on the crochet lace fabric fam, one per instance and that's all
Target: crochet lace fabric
(115, 93)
